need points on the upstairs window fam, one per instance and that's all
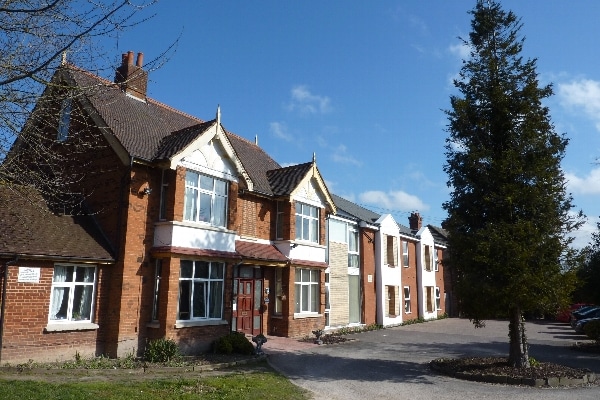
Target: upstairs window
(405, 254)
(205, 199)
(307, 223)
(64, 121)
(436, 261)
(353, 259)
(391, 250)
(279, 221)
(427, 259)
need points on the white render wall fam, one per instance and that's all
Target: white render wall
(387, 275)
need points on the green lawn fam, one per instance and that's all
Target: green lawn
(254, 385)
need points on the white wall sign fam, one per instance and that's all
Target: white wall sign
(29, 274)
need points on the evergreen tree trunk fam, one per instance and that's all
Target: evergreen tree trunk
(519, 350)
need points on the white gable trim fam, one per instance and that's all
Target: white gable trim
(214, 132)
(319, 197)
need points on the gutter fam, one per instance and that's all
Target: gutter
(2, 308)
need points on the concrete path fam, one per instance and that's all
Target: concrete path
(392, 363)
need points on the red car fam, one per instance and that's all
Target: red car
(565, 315)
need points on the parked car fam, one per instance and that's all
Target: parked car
(591, 312)
(565, 315)
(582, 322)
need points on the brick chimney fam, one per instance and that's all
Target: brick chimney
(415, 221)
(132, 78)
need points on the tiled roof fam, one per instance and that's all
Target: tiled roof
(139, 126)
(177, 141)
(255, 161)
(259, 252)
(440, 235)
(30, 228)
(284, 180)
(349, 209)
(153, 131)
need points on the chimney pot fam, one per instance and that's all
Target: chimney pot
(415, 221)
(130, 58)
(140, 60)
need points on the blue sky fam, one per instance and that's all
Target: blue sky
(363, 85)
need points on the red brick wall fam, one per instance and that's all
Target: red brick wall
(26, 315)
(409, 278)
(439, 281)
(191, 340)
(369, 289)
(300, 327)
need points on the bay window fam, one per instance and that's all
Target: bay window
(205, 199)
(200, 290)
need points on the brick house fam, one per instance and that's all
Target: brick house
(197, 231)
(187, 231)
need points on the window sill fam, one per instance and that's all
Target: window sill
(154, 325)
(190, 324)
(71, 326)
(307, 315)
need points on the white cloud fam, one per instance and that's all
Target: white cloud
(394, 200)
(340, 155)
(279, 129)
(460, 50)
(583, 236)
(305, 102)
(582, 95)
(589, 184)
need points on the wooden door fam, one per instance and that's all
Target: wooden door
(245, 305)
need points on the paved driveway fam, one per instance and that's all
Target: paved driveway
(392, 363)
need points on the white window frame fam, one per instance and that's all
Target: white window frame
(435, 260)
(215, 276)
(327, 297)
(307, 218)
(194, 191)
(407, 303)
(353, 252)
(156, 294)
(438, 298)
(405, 259)
(307, 295)
(70, 287)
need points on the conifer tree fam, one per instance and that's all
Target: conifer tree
(509, 212)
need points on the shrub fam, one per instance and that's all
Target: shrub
(161, 350)
(223, 345)
(592, 330)
(234, 343)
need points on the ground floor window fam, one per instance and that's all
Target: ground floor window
(200, 290)
(306, 290)
(72, 293)
(438, 299)
(327, 298)
(157, 279)
(407, 299)
(429, 298)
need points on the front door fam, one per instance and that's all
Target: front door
(245, 305)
